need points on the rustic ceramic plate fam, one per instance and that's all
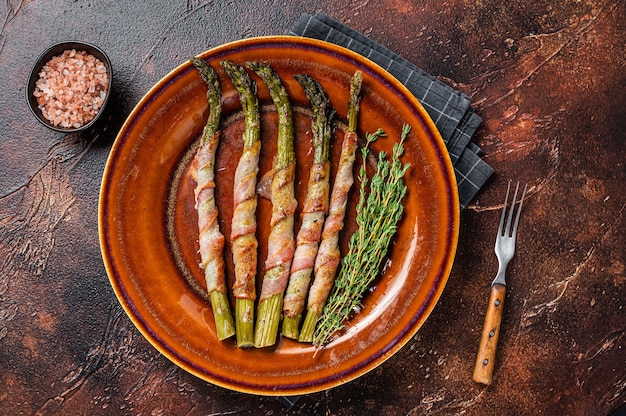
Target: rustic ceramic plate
(147, 219)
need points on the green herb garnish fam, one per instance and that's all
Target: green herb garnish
(378, 212)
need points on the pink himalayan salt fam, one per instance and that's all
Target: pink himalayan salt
(71, 89)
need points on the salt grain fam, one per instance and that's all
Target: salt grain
(71, 88)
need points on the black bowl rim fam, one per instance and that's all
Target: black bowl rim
(49, 53)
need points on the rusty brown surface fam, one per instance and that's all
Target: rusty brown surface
(547, 78)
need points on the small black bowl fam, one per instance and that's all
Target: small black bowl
(51, 52)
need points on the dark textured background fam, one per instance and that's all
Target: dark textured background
(548, 80)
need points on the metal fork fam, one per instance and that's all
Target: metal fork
(505, 250)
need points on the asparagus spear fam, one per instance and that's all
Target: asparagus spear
(281, 241)
(210, 237)
(378, 214)
(328, 256)
(314, 210)
(243, 238)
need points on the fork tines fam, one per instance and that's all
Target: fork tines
(508, 232)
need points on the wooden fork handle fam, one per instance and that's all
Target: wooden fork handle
(483, 369)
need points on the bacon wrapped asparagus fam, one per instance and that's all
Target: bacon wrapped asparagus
(281, 241)
(314, 209)
(210, 237)
(328, 256)
(243, 238)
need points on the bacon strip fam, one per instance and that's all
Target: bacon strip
(281, 241)
(308, 240)
(328, 256)
(243, 237)
(210, 237)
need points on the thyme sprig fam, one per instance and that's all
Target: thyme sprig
(379, 210)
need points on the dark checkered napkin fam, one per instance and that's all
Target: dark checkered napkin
(449, 108)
